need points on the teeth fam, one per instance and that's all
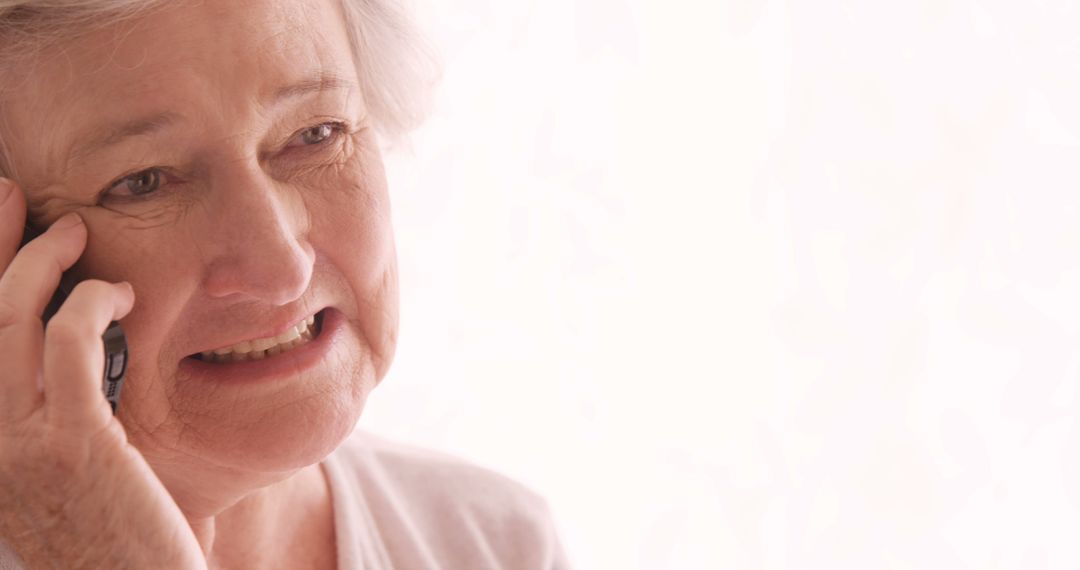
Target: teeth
(291, 334)
(263, 344)
(263, 347)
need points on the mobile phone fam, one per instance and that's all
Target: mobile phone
(116, 352)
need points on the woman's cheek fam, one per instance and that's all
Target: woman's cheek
(352, 228)
(162, 276)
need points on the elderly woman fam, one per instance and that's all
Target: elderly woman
(209, 174)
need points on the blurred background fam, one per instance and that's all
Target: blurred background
(753, 283)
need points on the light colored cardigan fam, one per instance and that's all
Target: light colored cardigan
(407, 508)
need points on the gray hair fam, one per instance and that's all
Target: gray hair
(395, 67)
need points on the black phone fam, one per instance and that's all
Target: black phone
(116, 352)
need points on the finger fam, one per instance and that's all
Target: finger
(32, 276)
(12, 218)
(21, 375)
(74, 354)
(25, 287)
(16, 399)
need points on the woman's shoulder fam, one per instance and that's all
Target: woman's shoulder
(420, 465)
(422, 499)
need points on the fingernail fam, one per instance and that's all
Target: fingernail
(6, 186)
(68, 221)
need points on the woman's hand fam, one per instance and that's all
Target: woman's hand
(73, 492)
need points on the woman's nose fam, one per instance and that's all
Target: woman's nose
(256, 239)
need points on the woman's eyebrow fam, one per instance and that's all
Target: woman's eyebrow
(100, 138)
(103, 137)
(314, 83)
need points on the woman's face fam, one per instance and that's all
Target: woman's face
(254, 198)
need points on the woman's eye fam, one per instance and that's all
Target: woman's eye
(148, 181)
(319, 134)
(138, 184)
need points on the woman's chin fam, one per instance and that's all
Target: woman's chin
(290, 439)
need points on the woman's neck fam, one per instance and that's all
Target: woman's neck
(289, 520)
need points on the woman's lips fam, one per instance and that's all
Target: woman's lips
(329, 326)
(262, 348)
(249, 345)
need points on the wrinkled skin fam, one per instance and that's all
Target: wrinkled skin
(255, 214)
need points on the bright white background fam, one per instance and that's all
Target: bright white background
(753, 283)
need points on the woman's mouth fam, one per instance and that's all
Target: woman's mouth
(277, 361)
(299, 335)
